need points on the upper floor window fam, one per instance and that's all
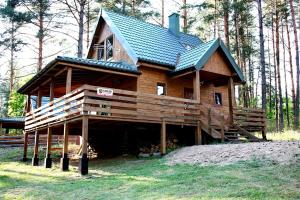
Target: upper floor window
(109, 47)
(100, 51)
(218, 98)
(161, 89)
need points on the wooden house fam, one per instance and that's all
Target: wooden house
(138, 79)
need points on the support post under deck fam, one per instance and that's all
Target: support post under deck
(35, 159)
(198, 134)
(163, 138)
(64, 161)
(48, 159)
(25, 146)
(83, 161)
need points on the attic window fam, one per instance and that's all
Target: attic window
(109, 47)
(100, 50)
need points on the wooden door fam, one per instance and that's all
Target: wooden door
(188, 93)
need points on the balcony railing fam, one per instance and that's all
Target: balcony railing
(121, 105)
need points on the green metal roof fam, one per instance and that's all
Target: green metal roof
(148, 42)
(120, 66)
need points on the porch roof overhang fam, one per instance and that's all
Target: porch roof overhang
(60, 63)
(13, 122)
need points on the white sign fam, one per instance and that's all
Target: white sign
(105, 92)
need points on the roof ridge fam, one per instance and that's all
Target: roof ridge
(159, 26)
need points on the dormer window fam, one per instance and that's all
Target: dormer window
(109, 48)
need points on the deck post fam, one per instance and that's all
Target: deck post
(1, 128)
(83, 161)
(198, 134)
(28, 103)
(48, 159)
(25, 146)
(264, 133)
(64, 161)
(197, 86)
(35, 159)
(222, 128)
(163, 136)
(230, 98)
(69, 80)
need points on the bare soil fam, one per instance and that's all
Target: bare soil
(282, 152)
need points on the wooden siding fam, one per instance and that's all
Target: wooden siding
(149, 78)
(119, 52)
(217, 64)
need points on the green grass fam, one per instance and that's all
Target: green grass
(147, 179)
(287, 135)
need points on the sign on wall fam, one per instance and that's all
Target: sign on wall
(105, 92)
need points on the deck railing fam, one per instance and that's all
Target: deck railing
(122, 105)
(249, 117)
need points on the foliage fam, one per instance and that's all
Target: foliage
(16, 104)
(130, 8)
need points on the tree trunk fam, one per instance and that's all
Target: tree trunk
(40, 36)
(124, 6)
(296, 109)
(215, 19)
(285, 81)
(162, 13)
(291, 66)
(81, 24)
(88, 25)
(184, 16)
(262, 57)
(275, 78)
(226, 22)
(270, 75)
(133, 7)
(281, 122)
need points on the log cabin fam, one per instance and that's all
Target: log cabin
(140, 83)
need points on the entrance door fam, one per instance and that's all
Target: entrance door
(188, 93)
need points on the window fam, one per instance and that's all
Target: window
(100, 50)
(161, 89)
(109, 47)
(218, 98)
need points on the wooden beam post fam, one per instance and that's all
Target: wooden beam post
(83, 161)
(28, 103)
(51, 90)
(198, 134)
(48, 159)
(196, 83)
(230, 98)
(163, 137)
(69, 80)
(64, 161)
(25, 146)
(35, 159)
(264, 133)
(222, 128)
(39, 98)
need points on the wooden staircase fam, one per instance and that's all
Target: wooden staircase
(245, 121)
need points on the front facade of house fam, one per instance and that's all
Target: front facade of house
(138, 78)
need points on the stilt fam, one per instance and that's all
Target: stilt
(198, 134)
(35, 159)
(83, 161)
(264, 133)
(163, 138)
(64, 161)
(1, 129)
(48, 159)
(25, 146)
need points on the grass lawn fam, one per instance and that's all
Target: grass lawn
(147, 179)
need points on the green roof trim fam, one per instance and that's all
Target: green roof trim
(12, 119)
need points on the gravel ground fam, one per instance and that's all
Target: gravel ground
(222, 154)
